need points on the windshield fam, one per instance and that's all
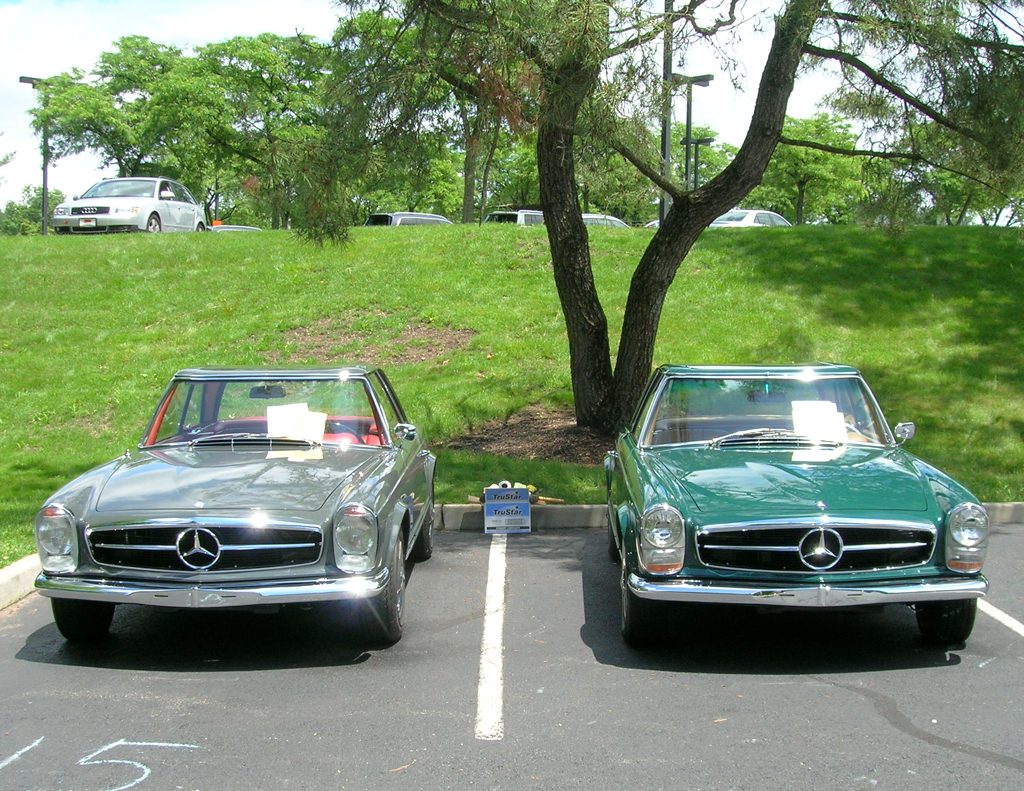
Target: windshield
(121, 188)
(327, 410)
(838, 409)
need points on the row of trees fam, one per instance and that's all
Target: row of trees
(236, 120)
(410, 94)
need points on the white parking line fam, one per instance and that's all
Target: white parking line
(490, 722)
(1002, 617)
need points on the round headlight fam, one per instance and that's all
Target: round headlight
(661, 526)
(55, 538)
(968, 525)
(355, 533)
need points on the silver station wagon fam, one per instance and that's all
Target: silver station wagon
(249, 487)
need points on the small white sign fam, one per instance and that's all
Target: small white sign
(506, 510)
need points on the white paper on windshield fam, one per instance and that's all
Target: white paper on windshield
(313, 454)
(819, 420)
(295, 421)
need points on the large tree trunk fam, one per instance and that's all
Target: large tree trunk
(692, 212)
(564, 90)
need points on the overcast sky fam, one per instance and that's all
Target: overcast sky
(41, 38)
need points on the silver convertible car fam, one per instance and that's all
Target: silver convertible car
(249, 487)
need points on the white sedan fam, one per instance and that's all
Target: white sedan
(131, 204)
(756, 218)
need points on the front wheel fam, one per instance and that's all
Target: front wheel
(153, 224)
(82, 621)
(380, 618)
(639, 616)
(947, 622)
(423, 546)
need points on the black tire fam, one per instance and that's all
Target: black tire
(380, 618)
(201, 227)
(639, 616)
(153, 224)
(82, 621)
(613, 549)
(947, 622)
(423, 547)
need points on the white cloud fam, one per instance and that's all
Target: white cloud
(40, 38)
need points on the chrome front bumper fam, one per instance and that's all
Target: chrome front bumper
(212, 595)
(850, 594)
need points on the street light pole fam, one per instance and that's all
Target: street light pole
(666, 107)
(703, 80)
(35, 82)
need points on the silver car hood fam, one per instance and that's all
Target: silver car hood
(184, 479)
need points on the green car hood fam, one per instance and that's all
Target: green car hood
(176, 480)
(737, 485)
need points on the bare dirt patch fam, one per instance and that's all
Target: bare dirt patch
(331, 340)
(536, 433)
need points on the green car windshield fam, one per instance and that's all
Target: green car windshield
(836, 410)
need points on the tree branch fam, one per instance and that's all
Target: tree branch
(883, 82)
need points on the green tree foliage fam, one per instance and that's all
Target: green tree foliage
(25, 217)
(261, 106)
(116, 110)
(809, 184)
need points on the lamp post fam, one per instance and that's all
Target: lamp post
(700, 141)
(35, 82)
(703, 80)
(668, 86)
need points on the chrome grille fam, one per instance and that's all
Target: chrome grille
(787, 547)
(241, 546)
(90, 210)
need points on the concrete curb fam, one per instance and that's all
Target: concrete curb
(17, 580)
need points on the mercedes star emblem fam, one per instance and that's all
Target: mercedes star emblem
(821, 549)
(198, 548)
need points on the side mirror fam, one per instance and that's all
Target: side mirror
(904, 431)
(610, 459)
(405, 431)
(166, 195)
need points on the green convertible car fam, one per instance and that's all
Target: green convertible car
(784, 486)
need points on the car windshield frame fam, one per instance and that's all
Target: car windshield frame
(340, 410)
(762, 407)
(121, 188)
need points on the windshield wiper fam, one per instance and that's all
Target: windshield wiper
(772, 435)
(249, 438)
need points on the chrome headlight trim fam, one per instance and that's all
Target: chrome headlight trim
(56, 538)
(966, 538)
(968, 525)
(661, 526)
(355, 538)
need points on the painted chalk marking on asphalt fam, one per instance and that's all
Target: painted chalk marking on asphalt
(88, 760)
(490, 723)
(20, 753)
(1002, 617)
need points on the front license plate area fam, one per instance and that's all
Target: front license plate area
(87, 222)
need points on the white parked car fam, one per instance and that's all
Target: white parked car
(407, 218)
(604, 220)
(743, 218)
(131, 204)
(520, 217)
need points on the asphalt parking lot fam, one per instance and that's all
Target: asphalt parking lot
(512, 675)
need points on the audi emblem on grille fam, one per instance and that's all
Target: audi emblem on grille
(198, 548)
(821, 549)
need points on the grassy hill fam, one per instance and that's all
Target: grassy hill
(467, 323)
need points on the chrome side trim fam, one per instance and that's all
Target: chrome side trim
(820, 595)
(212, 595)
